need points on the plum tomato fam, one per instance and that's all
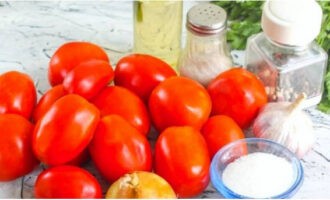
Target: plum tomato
(45, 102)
(67, 182)
(238, 94)
(119, 100)
(118, 148)
(182, 158)
(16, 155)
(220, 130)
(17, 94)
(79, 160)
(141, 73)
(88, 78)
(69, 55)
(179, 101)
(65, 130)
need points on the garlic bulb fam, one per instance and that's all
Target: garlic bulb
(287, 124)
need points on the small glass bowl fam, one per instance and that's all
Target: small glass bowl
(236, 149)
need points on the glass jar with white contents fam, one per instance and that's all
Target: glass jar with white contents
(284, 56)
(256, 168)
(206, 53)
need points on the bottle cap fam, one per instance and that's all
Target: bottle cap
(206, 19)
(291, 22)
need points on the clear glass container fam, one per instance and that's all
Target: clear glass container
(157, 29)
(235, 150)
(287, 71)
(206, 53)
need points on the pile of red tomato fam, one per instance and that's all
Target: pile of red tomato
(105, 114)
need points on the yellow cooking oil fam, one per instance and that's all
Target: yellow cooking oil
(157, 29)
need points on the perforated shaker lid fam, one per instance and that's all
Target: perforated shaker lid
(206, 18)
(291, 22)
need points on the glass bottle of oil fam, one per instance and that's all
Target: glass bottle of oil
(157, 29)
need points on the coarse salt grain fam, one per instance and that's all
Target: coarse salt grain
(259, 175)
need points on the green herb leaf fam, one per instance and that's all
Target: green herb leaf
(324, 106)
(323, 40)
(244, 20)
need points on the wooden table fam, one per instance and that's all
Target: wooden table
(31, 32)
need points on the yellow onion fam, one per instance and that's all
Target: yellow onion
(140, 185)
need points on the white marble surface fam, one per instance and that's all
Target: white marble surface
(30, 32)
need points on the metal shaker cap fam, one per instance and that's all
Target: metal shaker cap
(206, 18)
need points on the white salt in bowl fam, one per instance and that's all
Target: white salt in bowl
(256, 168)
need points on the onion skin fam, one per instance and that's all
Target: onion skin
(140, 185)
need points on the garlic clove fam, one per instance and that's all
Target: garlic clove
(287, 124)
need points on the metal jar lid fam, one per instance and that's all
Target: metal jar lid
(206, 19)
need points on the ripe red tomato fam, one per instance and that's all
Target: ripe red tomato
(69, 55)
(121, 101)
(67, 182)
(238, 94)
(65, 130)
(182, 158)
(88, 78)
(79, 160)
(47, 101)
(141, 73)
(179, 101)
(118, 148)
(17, 94)
(16, 155)
(220, 130)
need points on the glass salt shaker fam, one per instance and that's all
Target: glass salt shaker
(284, 56)
(205, 54)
